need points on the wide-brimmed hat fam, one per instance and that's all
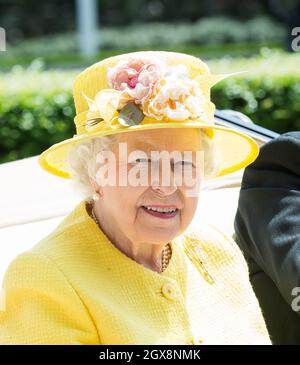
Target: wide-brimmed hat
(149, 90)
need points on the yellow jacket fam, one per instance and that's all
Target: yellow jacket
(76, 287)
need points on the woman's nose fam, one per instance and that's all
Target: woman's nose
(164, 184)
(164, 190)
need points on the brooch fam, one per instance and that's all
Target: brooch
(193, 251)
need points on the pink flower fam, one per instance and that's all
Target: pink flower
(135, 77)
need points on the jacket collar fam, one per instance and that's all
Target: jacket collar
(111, 255)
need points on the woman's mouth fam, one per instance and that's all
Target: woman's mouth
(164, 213)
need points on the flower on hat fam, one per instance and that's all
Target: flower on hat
(175, 97)
(140, 86)
(135, 77)
(130, 82)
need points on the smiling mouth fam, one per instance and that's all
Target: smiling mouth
(165, 213)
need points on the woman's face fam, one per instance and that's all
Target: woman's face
(128, 207)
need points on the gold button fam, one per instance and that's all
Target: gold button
(168, 291)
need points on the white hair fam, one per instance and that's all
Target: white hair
(81, 160)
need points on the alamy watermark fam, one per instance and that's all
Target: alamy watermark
(296, 41)
(2, 39)
(160, 168)
(296, 301)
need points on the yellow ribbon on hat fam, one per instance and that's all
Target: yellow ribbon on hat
(103, 106)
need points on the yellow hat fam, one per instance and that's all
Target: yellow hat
(148, 90)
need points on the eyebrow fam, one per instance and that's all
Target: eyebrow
(147, 144)
(182, 157)
(144, 144)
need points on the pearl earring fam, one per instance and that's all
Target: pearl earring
(96, 196)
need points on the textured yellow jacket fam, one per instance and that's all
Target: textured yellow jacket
(76, 287)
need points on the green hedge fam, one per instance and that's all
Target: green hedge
(36, 106)
(209, 36)
(268, 92)
(76, 60)
(36, 110)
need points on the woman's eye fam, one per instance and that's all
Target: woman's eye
(141, 160)
(186, 163)
(147, 160)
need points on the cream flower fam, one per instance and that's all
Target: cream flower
(175, 97)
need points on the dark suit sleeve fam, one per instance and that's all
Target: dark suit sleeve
(267, 226)
(282, 323)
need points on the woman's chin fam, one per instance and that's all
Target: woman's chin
(160, 231)
(158, 236)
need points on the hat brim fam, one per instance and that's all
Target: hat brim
(235, 149)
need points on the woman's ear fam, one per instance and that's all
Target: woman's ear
(93, 183)
(95, 186)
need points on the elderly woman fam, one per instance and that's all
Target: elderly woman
(125, 266)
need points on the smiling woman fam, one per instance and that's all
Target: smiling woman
(124, 267)
(128, 213)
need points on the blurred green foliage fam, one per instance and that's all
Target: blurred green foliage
(36, 110)
(36, 105)
(212, 31)
(268, 91)
(32, 18)
(75, 60)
